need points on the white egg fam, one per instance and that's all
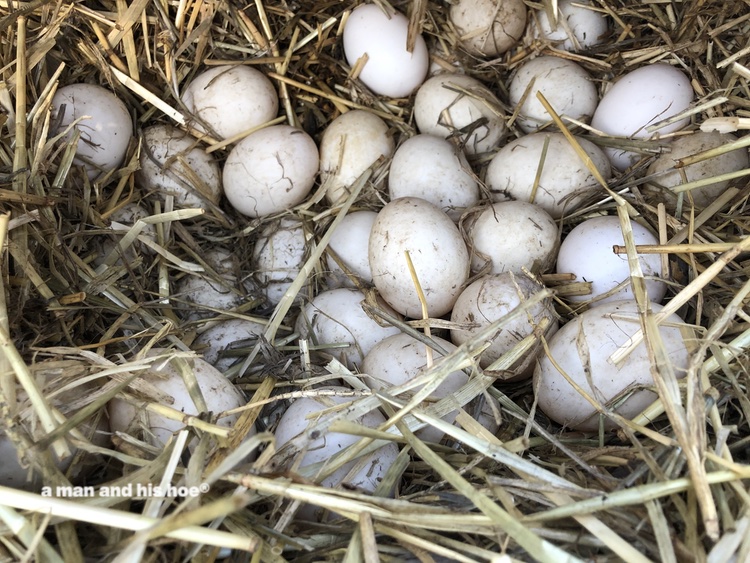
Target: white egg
(437, 251)
(565, 179)
(350, 145)
(578, 25)
(587, 252)
(278, 257)
(400, 358)
(336, 318)
(489, 299)
(456, 105)
(217, 341)
(391, 70)
(638, 100)
(434, 169)
(270, 170)
(582, 347)
(350, 242)
(688, 145)
(368, 471)
(566, 85)
(489, 28)
(173, 163)
(231, 99)
(106, 129)
(218, 392)
(513, 235)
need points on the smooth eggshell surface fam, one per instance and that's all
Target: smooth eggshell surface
(641, 98)
(349, 146)
(582, 347)
(578, 26)
(437, 251)
(513, 235)
(443, 108)
(106, 131)
(587, 252)
(231, 99)
(681, 147)
(350, 242)
(566, 86)
(487, 27)
(489, 299)
(391, 70)
(173, 163)
(336, 317)
(434, 169)
(400, 358)
(270, 170)
(565, 179)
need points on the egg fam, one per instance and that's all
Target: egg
(587, 252)
(460, 107)
(278, 256)
(579, 26)
(230, 99)
(490, 298)
(391, 70)
(581, 349)
(512, 235)
(667, 176)
(566, 85)
(336, 317)
(106, 128)
(350, 242)
(437, 251)
(171, 162)
(434, 169)
(488, 28)
(363, 474)
(217, 341)
(638, 100)
(270, 170)
(400, 358)
(350, 145)
(565, 180)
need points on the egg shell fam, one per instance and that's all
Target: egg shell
(400, 358)
(105, 133)
(566, 85)
(270, 170)
(368, 470)
(565, 179)
(218, 392)
(513, 235)
(582, 348)
(578, 26)
(278, 256)
(218, 290)
(488, 300)
(443, 108)
(689, 145)
(221, 337)
(350, 242)
(488, 28)
(639, 99)
(434, 169)
(587, 252)
(336, 317)
(350, 145)
(437, 251)
(172, 162)
(391, 70)
(231, 99)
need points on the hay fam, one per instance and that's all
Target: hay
(669, 485)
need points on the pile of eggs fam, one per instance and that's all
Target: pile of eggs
(472, 218)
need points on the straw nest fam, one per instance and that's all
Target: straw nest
(74, 332)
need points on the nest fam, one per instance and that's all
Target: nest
(76, 330)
